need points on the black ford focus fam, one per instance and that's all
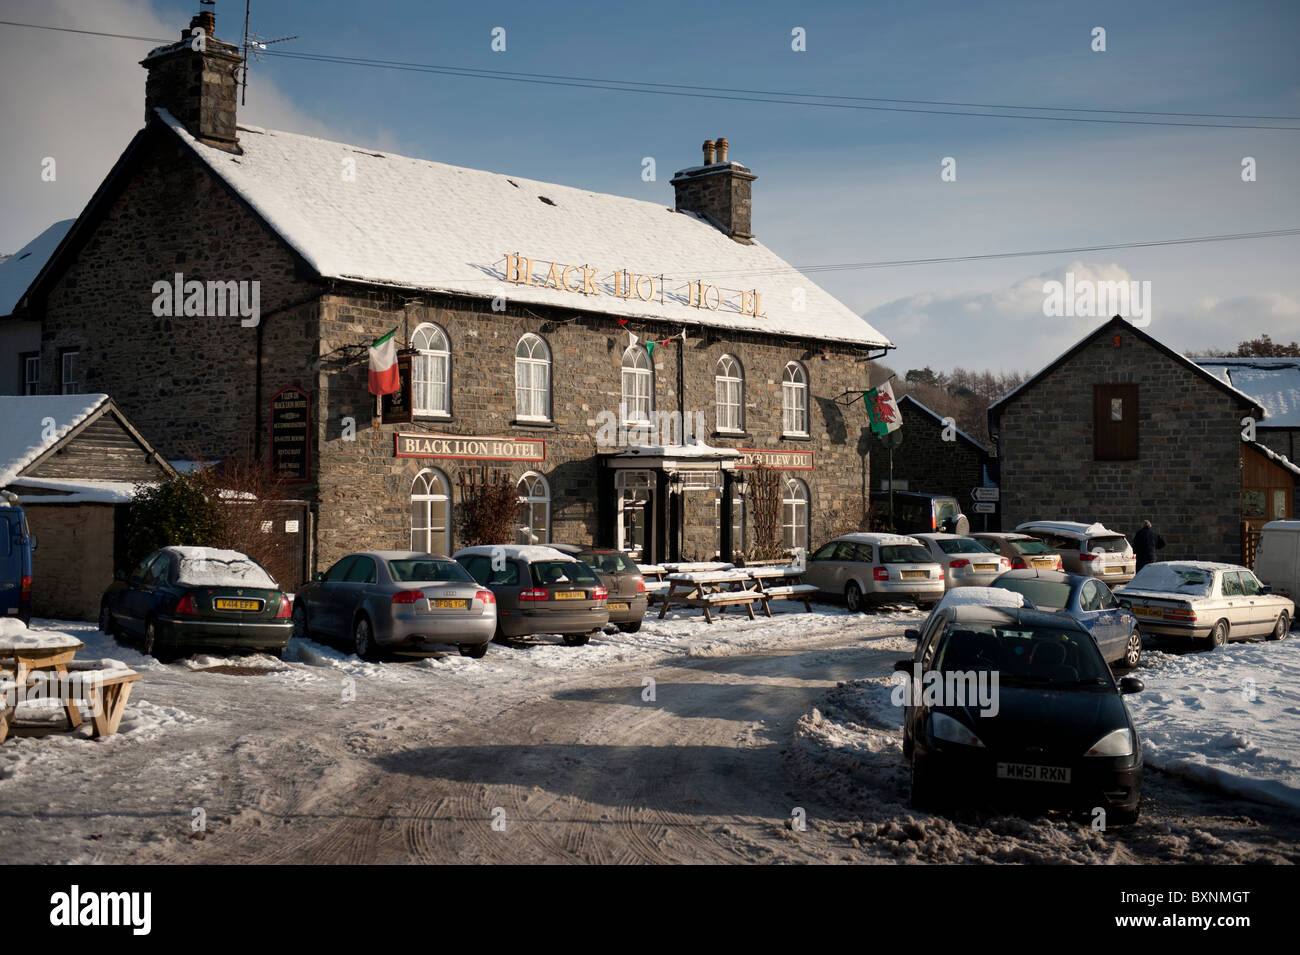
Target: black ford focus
(1018, 707)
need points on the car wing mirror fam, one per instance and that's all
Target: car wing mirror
(912, 634)
(1263, 588)
(318, 576)
(1131, 684)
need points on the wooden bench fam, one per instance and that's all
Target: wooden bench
(108, 694)
(800, 592)
(729, 598)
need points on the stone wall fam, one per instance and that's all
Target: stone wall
(365, 490)
(188, 383)
(72, 565)
(934, 466)
(1187, 480)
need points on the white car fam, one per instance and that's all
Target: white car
(965, 561)
(1089, 549)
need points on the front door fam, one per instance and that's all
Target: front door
(634, 522)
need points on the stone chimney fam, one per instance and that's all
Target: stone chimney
(719, 191)
(196, 80)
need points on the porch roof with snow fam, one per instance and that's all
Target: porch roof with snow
(1273, 382)
(421, 225)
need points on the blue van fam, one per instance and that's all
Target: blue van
(16, 546)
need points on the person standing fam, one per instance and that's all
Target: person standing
(1145, 544)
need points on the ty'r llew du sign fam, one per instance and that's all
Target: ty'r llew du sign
(781, 460)
(468, 447)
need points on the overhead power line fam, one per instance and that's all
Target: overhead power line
(771, 97)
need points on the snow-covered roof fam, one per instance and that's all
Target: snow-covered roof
(519, 551)
(71, 491)
(981, 597)
(697, 450)
(875, 537)
(1280, 459)
(417, 224)
(18, 270)
(24, 436)
(1273, 382)
(1071, 527)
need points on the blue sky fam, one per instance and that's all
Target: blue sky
(835, 185)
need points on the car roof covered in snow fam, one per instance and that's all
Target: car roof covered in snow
(1071, 527)
(874, 537)
(524, 552)
(1004, 616)
(416, 224)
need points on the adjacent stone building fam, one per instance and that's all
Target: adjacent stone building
(1120, 429)
(937, 457)
(625, 362)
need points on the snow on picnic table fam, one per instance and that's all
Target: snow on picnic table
(1228, 718)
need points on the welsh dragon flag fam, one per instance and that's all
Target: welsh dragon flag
(384, 379)
(882, 409)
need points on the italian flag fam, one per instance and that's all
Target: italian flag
(384, 379)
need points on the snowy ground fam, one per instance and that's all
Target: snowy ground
(327, 758)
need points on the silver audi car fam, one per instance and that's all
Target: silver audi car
(396, 601)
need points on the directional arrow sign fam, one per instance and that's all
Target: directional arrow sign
(983, 494)
(984, 507)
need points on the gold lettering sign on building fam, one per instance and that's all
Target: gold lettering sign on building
(621, 283)
(781, 460)
(467, 447)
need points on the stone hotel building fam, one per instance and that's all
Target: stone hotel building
(626, 362)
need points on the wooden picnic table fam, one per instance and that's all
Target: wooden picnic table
(741, 586)
(50, 652)
(107, 689)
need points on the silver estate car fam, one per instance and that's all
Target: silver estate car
(966, 562)
(1088, 549)
(876, 568)
(394, 601)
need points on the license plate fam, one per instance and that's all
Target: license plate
(1032, 772)
(1148, 612)
(229, 603)
(1113, 570)
(569, 595)
(448, 604)
(1044, 563)
(618, 606)
(985, 567)
(909, 574)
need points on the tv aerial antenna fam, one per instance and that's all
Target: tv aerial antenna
(254, 43)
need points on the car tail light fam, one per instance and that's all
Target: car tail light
(408, 596)
(25, 593)
(600, 593)
(487, 596)
(284, 612)
(1060, 564)
(1182, 616)
(1003, 562)
(960, 562)
(1088, 557)
(640, 585)
(186, 606)
(1019, 564)
(880, 573)
(537, 593)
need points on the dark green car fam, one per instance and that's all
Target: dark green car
(197, 598)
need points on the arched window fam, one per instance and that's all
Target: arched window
(729, 382)
(532, 379)
(431, 512)
(431, 372)
(794, 399)
(534, 524)
(794, 513)
(638, 385)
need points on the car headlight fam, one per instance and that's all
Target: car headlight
(1116, 743)
(948, 729)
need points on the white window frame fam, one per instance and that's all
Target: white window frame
(32, 374)
(794, 400)
(729, 395)
(431, 489)
(71, 384)
(794, 513)
(429, 397)
(534, 496)
(532, 379)
(738, 515)
(638, 392)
